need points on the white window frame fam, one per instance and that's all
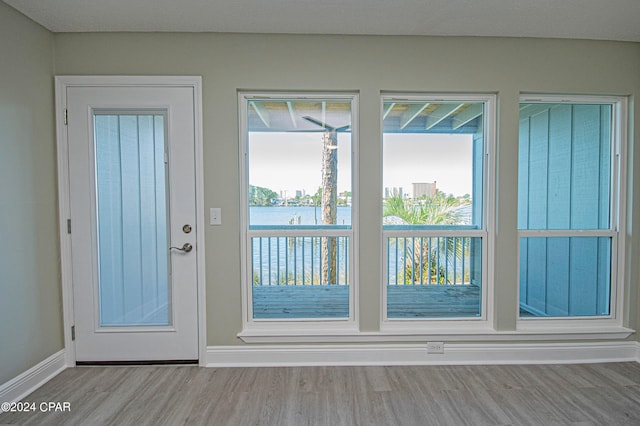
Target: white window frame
(617, 230)
(467, 325)
(283, 329)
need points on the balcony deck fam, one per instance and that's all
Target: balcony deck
(332, 301)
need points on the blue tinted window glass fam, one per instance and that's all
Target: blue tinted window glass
(564, 166)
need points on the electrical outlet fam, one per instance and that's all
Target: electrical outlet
(435, 347)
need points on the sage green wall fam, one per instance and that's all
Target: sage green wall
(367, 64)
(30, 295)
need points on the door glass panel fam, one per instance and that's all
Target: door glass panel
(132, 220)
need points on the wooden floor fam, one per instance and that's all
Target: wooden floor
(332, 301)
(590, 394)
(433, 301)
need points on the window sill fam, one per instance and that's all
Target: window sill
(591, 328)
(350, 336)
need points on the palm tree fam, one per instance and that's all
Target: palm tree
(428, 258)
(439, 209)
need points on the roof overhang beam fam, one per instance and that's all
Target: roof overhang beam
(444, 111)
(412, 112)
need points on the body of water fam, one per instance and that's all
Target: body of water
(296, 215)
(297, 260)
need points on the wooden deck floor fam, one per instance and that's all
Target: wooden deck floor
(332, 301)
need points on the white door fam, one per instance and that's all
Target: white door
(132, 198)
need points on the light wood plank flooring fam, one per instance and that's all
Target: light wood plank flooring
(590, 394)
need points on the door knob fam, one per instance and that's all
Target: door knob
(186, 247)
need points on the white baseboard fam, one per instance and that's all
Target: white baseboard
(366, 354)
(22, 385)
(416, 354)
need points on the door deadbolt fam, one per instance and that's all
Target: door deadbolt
(186, 228)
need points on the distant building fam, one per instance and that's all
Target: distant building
(421, 189)
(393, 192)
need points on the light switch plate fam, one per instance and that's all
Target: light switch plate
(215, 216)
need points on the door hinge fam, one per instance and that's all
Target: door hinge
(66, 117)
(73, 333)
(68, 226)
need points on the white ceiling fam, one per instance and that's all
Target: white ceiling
(586, 19)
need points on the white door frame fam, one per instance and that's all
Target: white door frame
(64, 212)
